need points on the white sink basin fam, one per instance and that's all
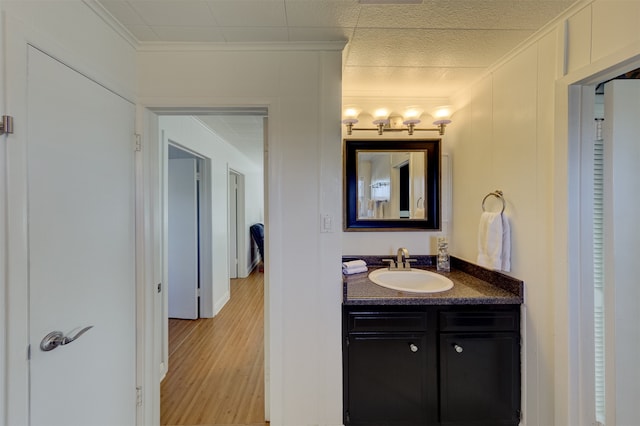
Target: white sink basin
(414, 280)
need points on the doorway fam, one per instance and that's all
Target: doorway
(197, 138)
(185, 259)
(609, 297)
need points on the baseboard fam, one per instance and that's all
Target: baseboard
(220, 303)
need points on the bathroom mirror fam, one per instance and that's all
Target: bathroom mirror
(392, 185)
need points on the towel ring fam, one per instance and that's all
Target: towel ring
(498, 194)
(419, 202)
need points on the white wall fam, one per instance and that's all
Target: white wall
(501, 141)
(301, 88)
(192, 134)
(511, 132)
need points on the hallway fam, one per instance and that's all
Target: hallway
(216, 365)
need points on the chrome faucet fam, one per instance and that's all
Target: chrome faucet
(402, 262)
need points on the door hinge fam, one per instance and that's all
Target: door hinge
(6, 125)
(28, 352)
(139, 396)
(138, 142)
(197, 176)
(198, 292)
(159, 287)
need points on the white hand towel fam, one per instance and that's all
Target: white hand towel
(419, 213)
(506, 244)
(490, 240)
(354, 267)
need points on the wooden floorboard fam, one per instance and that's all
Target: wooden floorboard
(216, 365)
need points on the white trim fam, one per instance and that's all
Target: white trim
(115, 25)
(293, 46)
(586, 374)
(151, 355)
(566, 232)
(17, 378)
(220, 303)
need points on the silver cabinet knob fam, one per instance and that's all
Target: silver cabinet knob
(413, 347)
(458, 348)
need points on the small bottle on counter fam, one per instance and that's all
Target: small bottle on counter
(443, 263)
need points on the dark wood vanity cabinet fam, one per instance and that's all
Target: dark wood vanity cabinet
(479, 366)
(387, 368)
(431, 365)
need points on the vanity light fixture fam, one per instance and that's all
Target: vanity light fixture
(397, 123)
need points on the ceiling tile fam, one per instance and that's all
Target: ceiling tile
(322, 13)
(430, 82)
(174, 12)
(319, 34)
(435, 48)
(463, 14)
(248, 13)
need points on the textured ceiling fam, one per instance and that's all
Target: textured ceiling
(428, 50)
(245, 132)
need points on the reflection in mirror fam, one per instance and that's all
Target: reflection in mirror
(392, 184)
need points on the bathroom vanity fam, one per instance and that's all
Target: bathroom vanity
(448, 358)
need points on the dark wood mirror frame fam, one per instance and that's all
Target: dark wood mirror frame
(431, 147)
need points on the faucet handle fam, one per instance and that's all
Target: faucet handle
(392, 263)
(408, 262)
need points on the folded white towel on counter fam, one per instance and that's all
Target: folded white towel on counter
(494, 242)
(354, 267)
(354, 270)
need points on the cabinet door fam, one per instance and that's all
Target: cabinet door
(479, 378)
(386, 379)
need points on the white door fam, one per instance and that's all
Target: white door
(183, 238)
(621, 245)
(81, 247)
(233, 225)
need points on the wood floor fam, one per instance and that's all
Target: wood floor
(216, 365)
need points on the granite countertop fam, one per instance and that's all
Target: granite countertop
(472, 285)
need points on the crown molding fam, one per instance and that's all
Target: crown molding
(108, 18)
(228, 47)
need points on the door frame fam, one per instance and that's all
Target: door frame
(206, 308)
(573, 301)
(582, 104)
(152, 343)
